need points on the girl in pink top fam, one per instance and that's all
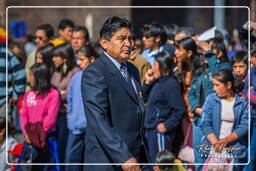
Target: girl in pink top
(41, 103)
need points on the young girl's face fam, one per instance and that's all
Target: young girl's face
(83, 61)
(181, 54)
(39, 57)
(240, 69)
(58, 61)
(31, 79)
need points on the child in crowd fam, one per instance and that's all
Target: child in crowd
(39, 114)
(240, 69)
(166, 157)
(165, 106)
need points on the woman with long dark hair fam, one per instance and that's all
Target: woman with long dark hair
(63, 69)
(225, 121)
(44, 54)
(165, 106)
(186, 50)
(39, 111)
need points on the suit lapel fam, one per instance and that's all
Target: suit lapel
(116, 74)
(139, 94)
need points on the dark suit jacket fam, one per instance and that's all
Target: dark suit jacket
(114, 115)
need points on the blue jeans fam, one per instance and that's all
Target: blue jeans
(197, 136)
(252, 165)
(75, 151)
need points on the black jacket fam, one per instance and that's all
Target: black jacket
(164, 103)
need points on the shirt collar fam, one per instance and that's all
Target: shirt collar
(153, 53)
(117, 64)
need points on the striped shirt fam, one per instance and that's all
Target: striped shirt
(16, 75)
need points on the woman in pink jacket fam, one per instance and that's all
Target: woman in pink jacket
(40, 107)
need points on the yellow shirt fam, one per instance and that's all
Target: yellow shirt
(57, 41)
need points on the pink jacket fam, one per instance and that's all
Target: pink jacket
(38, 109)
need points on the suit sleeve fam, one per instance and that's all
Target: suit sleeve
(176, 102)
(95, 99)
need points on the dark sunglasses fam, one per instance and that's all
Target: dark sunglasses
(39, 37)
(148, 35)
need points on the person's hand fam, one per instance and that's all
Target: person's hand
(199, 111)
(11, 101)
(223, 141)
(190, 117)
(149, 76)
(126, 166)
(220, 144)
(161, 128)
(27, 139)
(62, 92)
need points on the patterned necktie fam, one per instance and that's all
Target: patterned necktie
(126, 75)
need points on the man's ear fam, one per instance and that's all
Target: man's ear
(60, 32)
(92, 59)
(157, 39)
(104, 43)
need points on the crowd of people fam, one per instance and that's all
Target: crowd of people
(183, 93)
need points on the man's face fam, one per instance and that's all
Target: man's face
(120, 44)
(77, 40)
(41, 38)
(240, 69)
(149, 41)
(66, 33)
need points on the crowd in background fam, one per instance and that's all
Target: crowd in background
(195, 88)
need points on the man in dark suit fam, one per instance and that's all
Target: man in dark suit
(113, 102)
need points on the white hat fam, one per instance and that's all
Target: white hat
(208, 34)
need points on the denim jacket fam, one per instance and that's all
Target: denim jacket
(201, 87)
(211, 122)
(215, 64)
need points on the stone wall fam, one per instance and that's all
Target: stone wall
(80, 14)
